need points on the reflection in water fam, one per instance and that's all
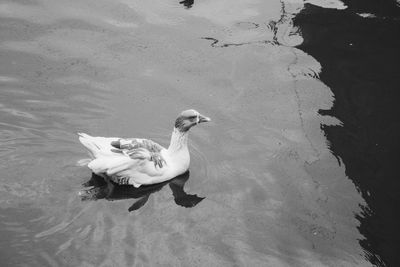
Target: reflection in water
(187, 3)
(101, 190)
(366, 87)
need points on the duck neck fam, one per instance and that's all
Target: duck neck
(179, 140)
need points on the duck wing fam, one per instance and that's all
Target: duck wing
(132, 147)
(137, 148)
(133, 161)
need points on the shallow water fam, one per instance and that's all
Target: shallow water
(274, 193)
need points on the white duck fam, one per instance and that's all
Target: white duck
(137, 161)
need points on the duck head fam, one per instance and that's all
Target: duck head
(189, 118)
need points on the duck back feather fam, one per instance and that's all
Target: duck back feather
(97, 146)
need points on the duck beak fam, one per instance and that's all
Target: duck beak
(203, 119)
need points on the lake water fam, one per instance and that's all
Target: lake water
(274, 194)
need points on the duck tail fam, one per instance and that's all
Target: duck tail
(89, 142)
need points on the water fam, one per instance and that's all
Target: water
(360, 66)
(267, 189)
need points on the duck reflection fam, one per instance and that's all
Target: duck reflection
(99, 189)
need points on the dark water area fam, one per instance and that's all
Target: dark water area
(187, 3)
(359, 50)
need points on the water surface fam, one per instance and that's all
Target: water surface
(274, 193)
(359, 49)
